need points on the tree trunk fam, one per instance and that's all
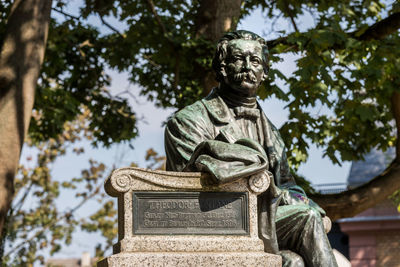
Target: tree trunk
(215, 17)
(20, 61)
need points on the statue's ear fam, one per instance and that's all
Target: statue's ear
(264, 76)
(222, 70)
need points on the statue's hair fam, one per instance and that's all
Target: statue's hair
(222, 46)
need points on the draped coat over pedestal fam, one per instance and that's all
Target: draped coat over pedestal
(206, 136)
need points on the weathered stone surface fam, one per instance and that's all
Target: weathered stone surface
(190, 243)
(243, 248)
(231, 259)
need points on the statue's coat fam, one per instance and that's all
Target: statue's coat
(206, 137)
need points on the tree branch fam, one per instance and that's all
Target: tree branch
(64, 13)
(148, 57)
(281, 40)
(377, 31)
(55, 221)
(77, 18)
(290, 13)
(381, 29)
(159, 22)
(352, 202)
(110, 27)
(17, 207)
(294, 24)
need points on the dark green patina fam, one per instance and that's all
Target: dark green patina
(228, 135)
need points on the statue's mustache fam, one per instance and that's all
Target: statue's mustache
(238, 77)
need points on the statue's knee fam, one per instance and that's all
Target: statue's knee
(291, 259)
(312, 214)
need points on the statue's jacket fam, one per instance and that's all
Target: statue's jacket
(205, 137)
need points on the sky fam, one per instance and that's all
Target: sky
(317, 169)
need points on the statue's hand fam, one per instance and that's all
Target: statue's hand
(317, 207)
(327, 224)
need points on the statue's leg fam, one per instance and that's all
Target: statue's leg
(299, 228)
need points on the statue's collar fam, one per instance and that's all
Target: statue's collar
(233, 99)
(217, 108)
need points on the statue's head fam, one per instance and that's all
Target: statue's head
(241, 61)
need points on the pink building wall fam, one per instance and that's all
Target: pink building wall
(374, 236)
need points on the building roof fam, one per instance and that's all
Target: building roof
(364, 170)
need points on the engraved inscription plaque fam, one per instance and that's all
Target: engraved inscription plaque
(190, 213)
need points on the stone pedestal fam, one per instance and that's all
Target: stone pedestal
(179, 219)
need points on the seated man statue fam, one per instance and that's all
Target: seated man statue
(228, 135)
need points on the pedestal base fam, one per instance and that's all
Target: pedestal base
(180, 219)
(185, 259)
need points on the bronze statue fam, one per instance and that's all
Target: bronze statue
(228, 135)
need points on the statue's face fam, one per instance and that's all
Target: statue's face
(244, 70)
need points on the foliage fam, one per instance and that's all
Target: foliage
(156, 161)
(395, 197)
(338, 97)
(39, 221)
(162, 59)
(74, 74)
